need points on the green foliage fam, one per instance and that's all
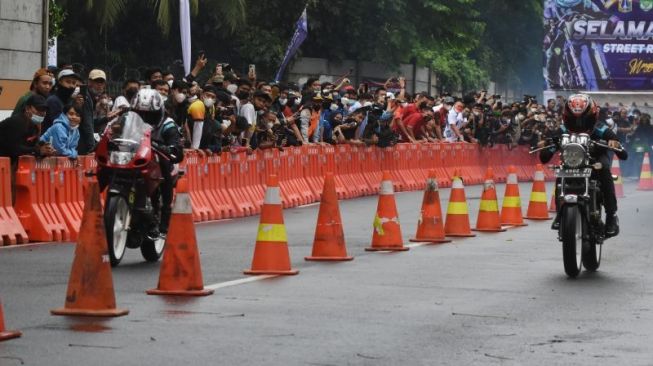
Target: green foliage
(467, 42)
(57, 15)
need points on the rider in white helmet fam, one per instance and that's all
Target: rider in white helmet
(166, 138)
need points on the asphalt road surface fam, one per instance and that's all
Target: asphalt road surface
(498, 298)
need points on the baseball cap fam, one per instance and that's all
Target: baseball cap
(449, 100)
(37, 101)
(97, 74)
(68, 73)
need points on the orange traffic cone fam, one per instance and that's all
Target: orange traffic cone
(619, 183)
(645, 180)
(90, 288)
(430, 227)
(387, 230)
(488, 213)
(271, 254)
(457, 224)
(6, 334)
(537, 208)
(329, 242)
(181, 271)
(553, 207)
(511, 211)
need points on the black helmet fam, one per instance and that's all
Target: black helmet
(580, 114)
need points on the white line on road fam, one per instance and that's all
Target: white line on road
(241, 281)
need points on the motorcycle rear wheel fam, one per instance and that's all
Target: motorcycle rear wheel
(116, 217)
(571, 232)
(152, 249)
(592, 256)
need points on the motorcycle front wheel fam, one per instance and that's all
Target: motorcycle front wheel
(571, 231)
(116, 222)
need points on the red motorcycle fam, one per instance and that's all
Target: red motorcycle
(128, 164)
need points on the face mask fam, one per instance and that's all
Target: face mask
(232, 88)
(164, 98)
(75, 92)
(283, 101)
(110, 104)
(170, 83)
(260, 113)
(192, 99)
(404, 104)
(317, 89)
(131, 93)
(270, 125)
(64, 93)
(180, 97)
(37, 120)
(345, 101)
(477, 114)
(209, 102)
(326, 91)
(367, 104)
(298, 101)
(226, 123)
(334, 107)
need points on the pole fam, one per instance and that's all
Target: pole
(45, 33)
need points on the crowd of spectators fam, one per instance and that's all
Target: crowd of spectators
(63, 114)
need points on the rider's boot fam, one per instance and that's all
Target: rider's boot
(556, 222)
(611, 225)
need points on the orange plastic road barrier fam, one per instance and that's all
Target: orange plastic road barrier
(11, 231)
(619, 183)
(181, 271)
(537, 206)
(271, 254)
(90, 287)
(329, 243)
(35, 200)
(457, 224)
(386, 235)
(488, 214)
(645, 179)
(511, 212)
(6, 334)
(69, 195)
(429, 226)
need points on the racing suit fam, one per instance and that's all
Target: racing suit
(167, 139)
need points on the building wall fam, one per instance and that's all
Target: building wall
(21, 31)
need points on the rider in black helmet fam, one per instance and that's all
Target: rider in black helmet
(580, 115)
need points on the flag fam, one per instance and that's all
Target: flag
(184, 30)
(301, 32)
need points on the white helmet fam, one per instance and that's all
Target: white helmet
(149, 104)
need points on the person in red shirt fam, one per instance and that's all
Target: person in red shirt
(411, 128)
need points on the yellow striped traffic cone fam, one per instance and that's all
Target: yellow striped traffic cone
(537, 209)
(271, 254)
(387, 230)
(457, 224)
(488, 214)
(511, 212)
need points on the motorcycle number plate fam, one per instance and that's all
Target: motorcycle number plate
(574, 173)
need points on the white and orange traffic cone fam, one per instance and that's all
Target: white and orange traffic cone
(537, 206)
(511, 211)
(181, 271)
(430, 228)
(387, 230)
(619, 183)
(271, 255)
(329, 242)
(457, 223)
(488, 214)
(6, 334)
(645, 179)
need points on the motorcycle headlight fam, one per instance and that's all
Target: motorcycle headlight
(121, 157)
(573, 155)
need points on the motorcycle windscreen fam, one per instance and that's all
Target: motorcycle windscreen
(128, 132)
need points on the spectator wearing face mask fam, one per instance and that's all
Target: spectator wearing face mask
(41, 85)
(129, 90)
(67, 82)
(64, 133)
(199, 112)
(19, 134)
(162, 87)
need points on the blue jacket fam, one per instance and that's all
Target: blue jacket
(64, 138)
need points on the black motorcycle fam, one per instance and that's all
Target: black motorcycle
(582, 229)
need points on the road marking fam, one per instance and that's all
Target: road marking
(241, 281)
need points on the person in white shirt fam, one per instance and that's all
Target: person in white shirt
(455, 122)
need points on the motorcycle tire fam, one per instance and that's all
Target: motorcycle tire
(592, 256)
(116, 214)
(152, 249)
(571, 231)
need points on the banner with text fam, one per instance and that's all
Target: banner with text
(598, 45)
